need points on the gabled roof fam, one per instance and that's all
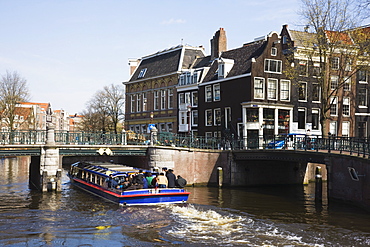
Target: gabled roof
(44, 106)
(167, 62)
(242, 60)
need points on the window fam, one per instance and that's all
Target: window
(346, 107)
(362, 130)
(333, 127)
(302, 68)
(273, 66)
(132, 103)
(182, 80)
(315, 119)
(195, 77)
(163, 99)
(362, 95)
(221, 70)
(316, 92)
(348, 66)
(138, 103)
(181, 98)
(333, 82)
(217, 117)
(188, 78)
(170, 98)
(227, 117)
(347, 84)
(194, 118)
(259, 88)
(284, 90)
(144, 102)
(156, 100)
(345, 129)
(216, 92)
(273, 51)
(208, 93)
(301, 118)
(187, 99)
(316, 70)
(285, 39)
(194, 96)
(362, 77)
(333, 106)
(183, 118)
(271, 89)
(302, 91)
(209, 135)
(209, 119)
(252, 115)
(142, 73)
(335, 63)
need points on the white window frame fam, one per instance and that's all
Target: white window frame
(133, 102)
(335, 63)
(345, 128)
(163, 99)
(138, 102)
(316, 111)
(362, 87)
(333, 102)
(170, 98)
(216, 92)
(269, 66)
(347, 84)
(217, 115)
(346, 102)
(272, 91)
(194, 99)
(319, 88)
(284, 91)
(208, 117)
(304, 92)
(333, 127)
(273, 51)
(334, 82)
(156, 99)
(261, 82)
(194, 115)
(208, 93)
(227, 116)
(145, 99)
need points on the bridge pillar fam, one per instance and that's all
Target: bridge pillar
(50, 168)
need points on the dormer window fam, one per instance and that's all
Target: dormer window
(224, 67)
(142, 73)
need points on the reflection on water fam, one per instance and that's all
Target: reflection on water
(269, 216)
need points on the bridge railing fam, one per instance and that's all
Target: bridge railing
(351, 145)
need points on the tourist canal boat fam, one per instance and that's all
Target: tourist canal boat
(92, 177)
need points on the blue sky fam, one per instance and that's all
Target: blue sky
(69, 49)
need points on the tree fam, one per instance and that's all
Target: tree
(331, 46)
(13, 89)
(105, 110)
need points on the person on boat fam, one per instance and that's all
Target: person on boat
(171, 178)
(180, 182)
(154, 181)
(162, 181)
(139, 180)
(149, 179)
(111, 183)
(125, 184)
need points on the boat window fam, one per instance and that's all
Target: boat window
(93, 178)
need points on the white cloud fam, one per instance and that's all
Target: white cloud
(173, 21)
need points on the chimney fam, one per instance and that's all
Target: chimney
(218, 43)
(133, 63)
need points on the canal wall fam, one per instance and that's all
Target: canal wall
(348, 179)
(198, 167)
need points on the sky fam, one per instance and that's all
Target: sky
(67, 50)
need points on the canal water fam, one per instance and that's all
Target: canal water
(264, 216)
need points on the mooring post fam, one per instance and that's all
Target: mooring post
(318, 184)
(153, 136)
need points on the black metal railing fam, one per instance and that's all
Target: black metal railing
(351, 145)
